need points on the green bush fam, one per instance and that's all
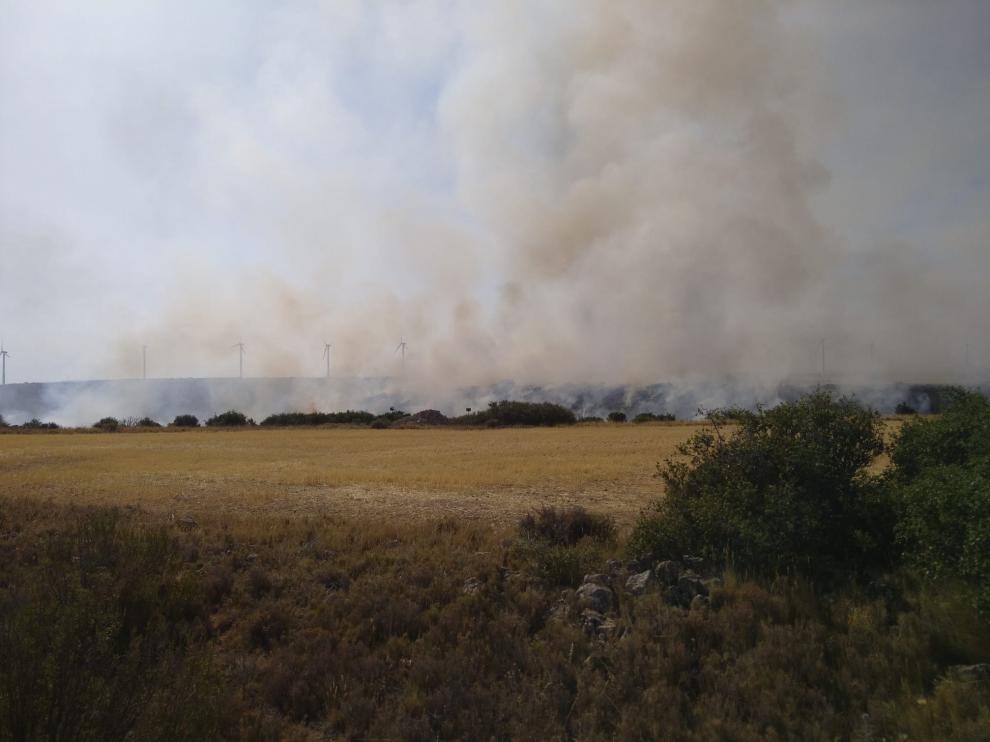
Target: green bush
(229, 419)
(617, 417)
(147, 422)
(185, 421)
(649, 417)
(787, 491)
(509, 413)
(941, 485)
(351, 417)
(108, 424)
(961, 435)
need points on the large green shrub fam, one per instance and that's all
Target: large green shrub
(351, 417)
(961, 435)
(941, 485)
(185, 421)
(108, 424)
(652, 417)
(509, 413)
(788, 490)
(229, 419)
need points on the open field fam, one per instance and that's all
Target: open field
(480, 474)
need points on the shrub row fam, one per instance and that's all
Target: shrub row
(508, 413)
(350, 417)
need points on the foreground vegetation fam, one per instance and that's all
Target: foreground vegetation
(557, 628)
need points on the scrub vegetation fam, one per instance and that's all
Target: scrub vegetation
(130, 622)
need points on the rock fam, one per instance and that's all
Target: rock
(596, 597)
(638, 583)
(668, 571)
(614, 566)
(969, 673)
(693, 562)
(471, 586)
(699, 603)
(251, 557)
(186, 523)
(597, 579)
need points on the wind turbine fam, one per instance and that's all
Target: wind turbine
(326, 354)
(401, 348)
(144, 361)
(240, 347)
(3, 360)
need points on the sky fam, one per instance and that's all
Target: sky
(626, 191)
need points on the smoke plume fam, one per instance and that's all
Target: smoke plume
(622, 192)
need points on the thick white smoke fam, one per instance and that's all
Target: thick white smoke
(628, 191)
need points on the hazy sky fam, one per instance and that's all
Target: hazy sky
(620, 190)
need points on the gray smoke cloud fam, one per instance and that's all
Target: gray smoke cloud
(617, 192)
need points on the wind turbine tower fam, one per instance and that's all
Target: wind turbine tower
(240, 349)
(3, 363)
(401, 348)
(326, 354)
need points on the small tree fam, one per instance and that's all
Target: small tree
(107, 424)
(185, 421)
(617, 417)
(229, 419)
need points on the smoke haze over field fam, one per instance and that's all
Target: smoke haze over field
(621, 192)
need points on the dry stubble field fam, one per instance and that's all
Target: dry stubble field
(494, 475)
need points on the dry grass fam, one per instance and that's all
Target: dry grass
(485, 474)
